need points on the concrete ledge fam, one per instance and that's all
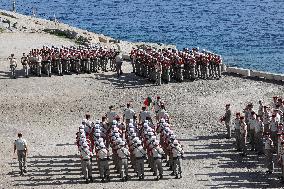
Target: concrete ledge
(240, 71)
(267, 75)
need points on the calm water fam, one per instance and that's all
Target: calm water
(248, 33)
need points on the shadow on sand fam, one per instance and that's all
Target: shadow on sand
(254, 176)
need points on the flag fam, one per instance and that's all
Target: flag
(148, 101)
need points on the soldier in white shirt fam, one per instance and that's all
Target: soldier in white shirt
(266, 117)
(103, 158)
(177, 153)
(274, 103)
(281, 159)
(162, 113)
(237, 124)
(247, 112)
(158, 69)
(281, 108)
(243, 136)
(158, 153)
(13, 65)
(123, 155)
(21, 146)
(118, 62)
(143, 115)
(260, 109)
(268, 147)
(278, 113)
(38, 64)
(273, 126)
(110, 115)
(24, 61)
(140, 155)
(157, 104)
(128, 114)
(259, 128)
(252, 124)
(86, 156)
(228, 120)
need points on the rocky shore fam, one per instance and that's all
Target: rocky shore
(48, 112)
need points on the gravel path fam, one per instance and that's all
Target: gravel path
(48, 112)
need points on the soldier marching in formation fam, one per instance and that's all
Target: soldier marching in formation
(168, 64)
(67, 60)
(128, 143)
(263, 131)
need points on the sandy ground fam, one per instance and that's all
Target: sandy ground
(48, 111)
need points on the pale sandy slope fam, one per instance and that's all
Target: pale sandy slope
(48, 111)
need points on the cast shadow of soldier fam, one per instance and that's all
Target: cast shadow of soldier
(126, 80)
(19, 74)
(61, 170)
(228, 158)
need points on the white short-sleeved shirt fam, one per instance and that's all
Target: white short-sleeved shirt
(85, 153)
(177, 151)
(139, 152)
(21, 144)
(13, 61)
(157, 152)
(268, 144)
(157, 105)
(252, 124)
(237, 124)
(118, 58)
(258, 127)
(123, 153)
(144, 114)
(110, 116)
(278, 117)
(266, 118)
(161, 114)
(243, 128)
(103, 153)
(273, 126)
(129, 113)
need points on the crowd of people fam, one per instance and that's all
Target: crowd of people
(262, 130)
(130, 140)
(168, 64)
(68, 60)
(155, 64)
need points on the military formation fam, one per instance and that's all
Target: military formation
(167, 64)
(68, 60)
(130, 141)
(262, 130)
(156, 65)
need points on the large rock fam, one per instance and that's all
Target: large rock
(103, 40)
(64, 33)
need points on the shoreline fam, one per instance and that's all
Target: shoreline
(19, 23)
(48, 111)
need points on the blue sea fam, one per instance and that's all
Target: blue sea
(247, 33)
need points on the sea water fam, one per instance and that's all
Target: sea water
(247, 33)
